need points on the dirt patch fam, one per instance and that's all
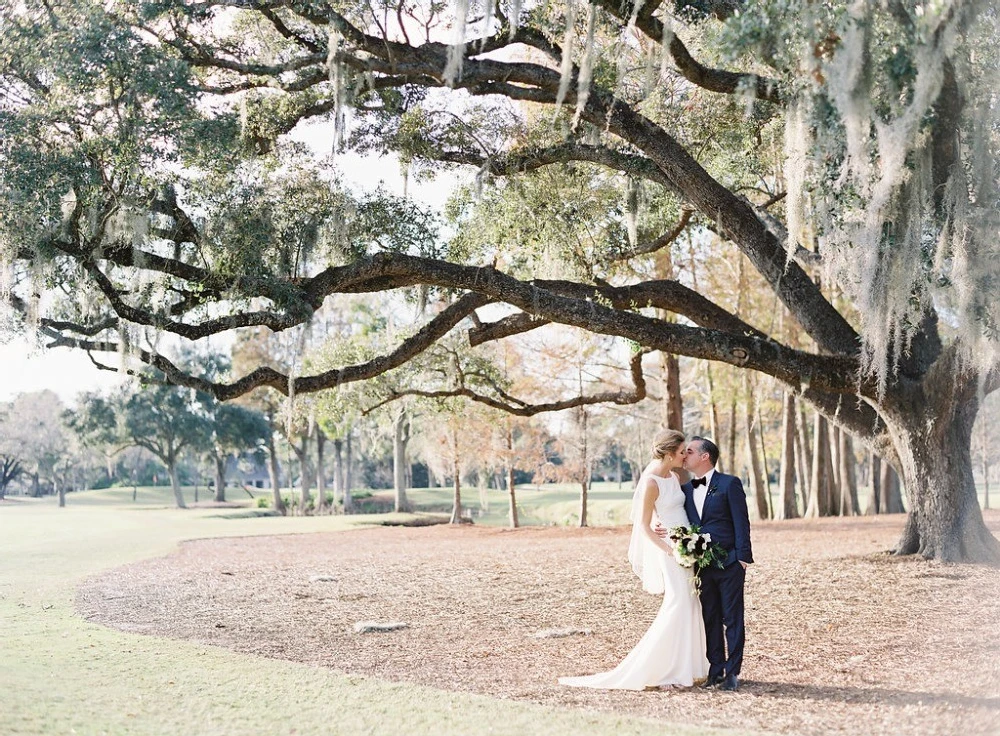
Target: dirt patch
(841, 636)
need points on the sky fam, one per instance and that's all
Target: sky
(68, 372)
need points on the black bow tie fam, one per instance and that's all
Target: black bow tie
(695, 482)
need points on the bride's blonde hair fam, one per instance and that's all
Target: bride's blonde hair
(666, 443)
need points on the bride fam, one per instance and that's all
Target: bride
(672, 652)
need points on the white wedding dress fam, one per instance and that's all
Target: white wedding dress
(672, 651)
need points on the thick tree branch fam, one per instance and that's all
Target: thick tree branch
(512, 324)
(439, 326)
(519, 161)
(714, 80)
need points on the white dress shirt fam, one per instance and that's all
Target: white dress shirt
(701, 491)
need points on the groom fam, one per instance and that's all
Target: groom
(716, 502)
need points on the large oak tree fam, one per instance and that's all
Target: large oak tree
(145, 174)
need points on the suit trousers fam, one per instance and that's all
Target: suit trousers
(722, 609)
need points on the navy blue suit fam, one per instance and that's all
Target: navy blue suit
(724, 516)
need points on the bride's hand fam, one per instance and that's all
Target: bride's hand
(661, 531)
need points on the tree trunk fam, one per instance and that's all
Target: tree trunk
(787, 506)
(731, 452)
(400, 439)
(305, 474)
(673, 402)
(804, 454)
(930, 426)
(757, 487)
(220, 478)
(836, 484)
(713, 410)
(874, 478)
(819, 482)
(61, 490)
(321, 472)
(890, 497)
(348, 477)
(175, 482)
(513, 499)
(36, 488)
(274, 474)
(585, 470)
(945, 521)
(766, 469)
(456, 508)
(339, 478)
(338, 459)
(848, 476)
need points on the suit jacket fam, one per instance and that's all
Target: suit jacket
(724, 516)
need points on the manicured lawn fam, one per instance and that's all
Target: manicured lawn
(60, 674)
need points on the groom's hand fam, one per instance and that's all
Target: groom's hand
(745, 565)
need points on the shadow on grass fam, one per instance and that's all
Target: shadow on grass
(881, 696)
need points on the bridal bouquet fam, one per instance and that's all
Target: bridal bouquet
(692, 548)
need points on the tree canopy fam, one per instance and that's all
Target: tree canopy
(847, 150)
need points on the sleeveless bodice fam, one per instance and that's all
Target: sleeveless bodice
(669, 506)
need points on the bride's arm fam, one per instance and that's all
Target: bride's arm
(648, 505)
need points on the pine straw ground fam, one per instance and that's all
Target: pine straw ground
(841, 636)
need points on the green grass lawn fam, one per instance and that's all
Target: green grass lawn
(60, 674)
(552, 503)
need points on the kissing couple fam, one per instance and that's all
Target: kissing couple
(693, 637)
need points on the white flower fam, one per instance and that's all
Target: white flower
(707, 537)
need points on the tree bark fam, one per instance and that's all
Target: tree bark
(321, 472)
(713, 411)
(305, 474)
(400, 440)
(787, 506)
(849, 476)
(514, 523)
(585, 470)
(456, 467)
(220, 477)
(175, 481)
(931, 429)
(274, 474)
(819, 482)
(764, 466)
(757, 487)
(890, 497)
(673, 402)
(805, 453)
(836, 483)
(456, 507)
(731, 453)
(874, 480)
(348, 477)
(511, 493)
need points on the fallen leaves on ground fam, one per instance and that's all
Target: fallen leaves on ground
(842, 637)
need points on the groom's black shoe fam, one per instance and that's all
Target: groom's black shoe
(714, 681)
(730, 683)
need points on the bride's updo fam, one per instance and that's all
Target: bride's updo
(666, 443)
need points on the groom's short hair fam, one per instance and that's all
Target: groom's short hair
(708, 446)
